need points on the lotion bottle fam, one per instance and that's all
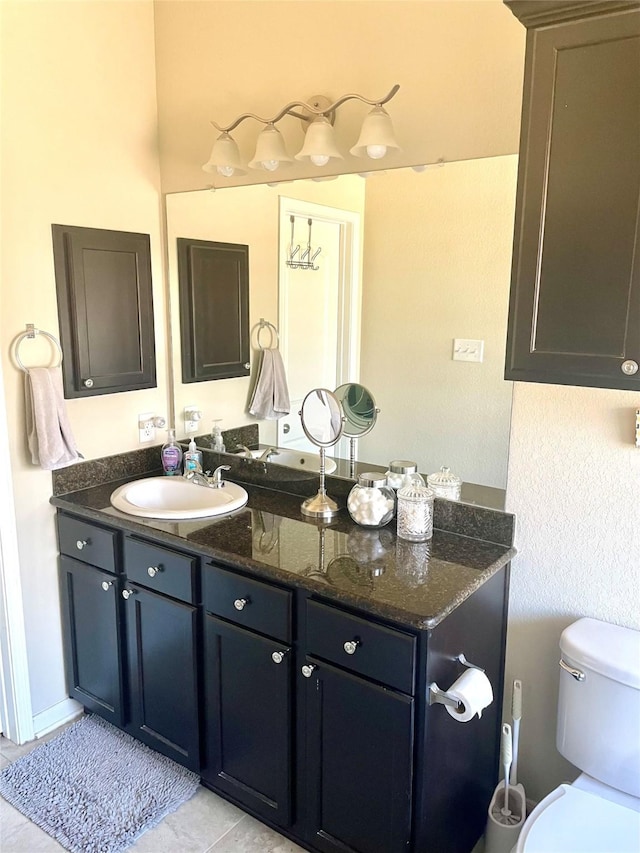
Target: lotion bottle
(171, 454)
(192, 458)
(216, 437)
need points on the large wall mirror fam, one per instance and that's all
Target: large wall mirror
(409, 262)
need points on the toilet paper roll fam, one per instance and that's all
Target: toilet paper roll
(473, 690)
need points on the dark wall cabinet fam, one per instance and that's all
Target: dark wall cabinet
(310, 716)
(214, 309)
(105, 310)
(574, 314)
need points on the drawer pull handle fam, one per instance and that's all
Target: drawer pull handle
(278, 657)
(307, 669)
(240, 603)
(82, 543)
(152, 571)
(106, 584)
(127, 593)
(351, 646)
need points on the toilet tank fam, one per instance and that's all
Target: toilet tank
(599, 716)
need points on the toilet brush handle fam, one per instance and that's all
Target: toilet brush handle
(506, 749)
(516, 713)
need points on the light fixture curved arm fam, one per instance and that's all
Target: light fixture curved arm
(288, 109)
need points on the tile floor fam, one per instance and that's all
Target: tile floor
(204, 824)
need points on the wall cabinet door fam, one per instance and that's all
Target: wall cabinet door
(105, 309)
(92, 638)
(162, 641)
(359, 764)
(248, 719)
(574, 315)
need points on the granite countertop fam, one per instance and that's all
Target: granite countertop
(373, 570)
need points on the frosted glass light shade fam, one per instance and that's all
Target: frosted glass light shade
(270, 150)
(376, 135)
(319, 143)
(225, 157)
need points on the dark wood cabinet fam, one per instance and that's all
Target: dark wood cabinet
(359, 767)
(93, 638)
(248, 719)
(162, 642)
(574, 314)
(105, 310)
(214, 309)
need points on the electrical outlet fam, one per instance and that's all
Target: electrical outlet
(146, 428)
(192, 417)
(467, 350)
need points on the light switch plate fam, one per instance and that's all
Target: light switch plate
(465, 349)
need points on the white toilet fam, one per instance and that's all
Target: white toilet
(598, 731)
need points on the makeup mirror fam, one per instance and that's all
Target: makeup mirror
(322, 420)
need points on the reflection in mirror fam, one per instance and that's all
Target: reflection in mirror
(360, 415)
(435, 259)
(322, 422)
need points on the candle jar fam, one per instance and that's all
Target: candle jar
(444, 484)
(403, 472)
(415, 513)
(371, 502)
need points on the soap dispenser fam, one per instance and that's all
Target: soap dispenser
(216, 437)
(171, 454)
(192, 458)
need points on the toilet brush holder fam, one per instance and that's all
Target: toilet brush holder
(502, 833)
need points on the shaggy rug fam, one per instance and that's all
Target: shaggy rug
(94, 788)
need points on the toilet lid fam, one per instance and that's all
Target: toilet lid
(576, 821)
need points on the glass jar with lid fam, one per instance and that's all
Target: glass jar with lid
(403, 472)
(415, 513)
(371, 503)
(444, 484)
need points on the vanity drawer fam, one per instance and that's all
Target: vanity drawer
(384, 654)
(87, 542)
(248, 602)
(161, 569)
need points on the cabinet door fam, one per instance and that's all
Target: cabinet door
(92, 639)
(105, 308)
(574, 314)
(248, 720)
(358, 764)
(162, 640)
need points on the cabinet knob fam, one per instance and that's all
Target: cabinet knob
(88, 383)
(127, 593)
(152, 571)
(629, 367)
(240, 603)
(247, 366)
(278, 657)
(82, 543)
(307, 669)
(350, 646)
(106, 584)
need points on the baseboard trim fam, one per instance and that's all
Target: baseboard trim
(59, 714)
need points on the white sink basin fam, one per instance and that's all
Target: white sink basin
(296, 459)
(175, 497)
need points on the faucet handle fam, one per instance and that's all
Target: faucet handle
(217, 475)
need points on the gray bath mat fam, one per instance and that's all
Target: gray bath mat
(94, 788)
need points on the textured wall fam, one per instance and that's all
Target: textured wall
(574, 476)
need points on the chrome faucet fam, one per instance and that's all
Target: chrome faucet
(245, 450)
(212, 481)
(267, 454)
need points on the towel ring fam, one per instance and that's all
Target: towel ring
(31, 333)
(265, 324)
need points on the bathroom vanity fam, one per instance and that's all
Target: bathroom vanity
(290, 663)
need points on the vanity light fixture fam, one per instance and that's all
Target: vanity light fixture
(320, 148)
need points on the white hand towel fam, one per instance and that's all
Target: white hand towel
(270, 399)
(49, 435)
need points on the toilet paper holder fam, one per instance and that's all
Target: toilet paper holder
(436, 695)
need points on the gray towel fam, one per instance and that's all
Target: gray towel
(270, 399)
(49, 435)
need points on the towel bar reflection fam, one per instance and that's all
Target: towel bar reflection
(275, 337)
(31, 333)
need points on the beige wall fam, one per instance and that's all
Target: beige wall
(437, 267)
(79, 148)
(458, 63)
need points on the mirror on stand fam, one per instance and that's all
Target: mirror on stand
(360, 414)
(323, 422)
